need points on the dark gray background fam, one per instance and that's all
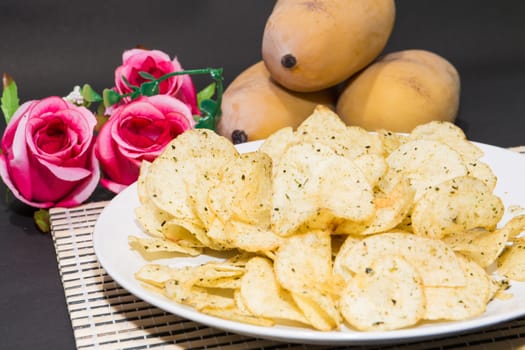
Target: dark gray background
(49, 46)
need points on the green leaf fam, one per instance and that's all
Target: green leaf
(149, 88)
(9, 100)
(90, 95)
(208, 107)
(146, 75)
(206, 93)
(206, 122)
(110, 97)
(42, 220)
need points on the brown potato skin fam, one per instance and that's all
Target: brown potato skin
(330, 39)
(400, 91)
(255, 104)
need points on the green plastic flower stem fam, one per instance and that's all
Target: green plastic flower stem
(209, 119)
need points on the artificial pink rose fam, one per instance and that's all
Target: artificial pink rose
(47, 154)
(138, 131)
(156, 63)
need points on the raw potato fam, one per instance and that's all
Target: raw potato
(254, 104)
(400, 91)
(312, 45)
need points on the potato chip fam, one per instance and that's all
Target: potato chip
(151, 218)
(234, 314)
(303, 266)
(197, 297)
(340, 271)
(391, 207)
(515, 226)
(166, 185)
(480, 245)
(449, 134)
(250, 238)
(277, 143)
(178, 180)
(462, 302)
(426, 163)
(185, 233)
(141, 182)
(325, 127)
(305, 259)
(154, 274)
(485, 246)
(435, 261)
(483, 172)
(153, 245)
(286, 209)
(390, 140)
(458, 204)
(387, 295)
(244, 191)
(373, 167)
(511, 263)
(304, 185)
(318, 308)
(262, 296)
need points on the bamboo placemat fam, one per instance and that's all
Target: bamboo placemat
(106, 316)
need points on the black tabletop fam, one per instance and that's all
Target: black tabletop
(50, 46)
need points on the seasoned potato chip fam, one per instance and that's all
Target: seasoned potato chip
(435, 261)
(341, 272)
(250, 238)
(373, 167)
(319, 308)
(390, 140)
(305, 259)
(480, 245)
(303, 265)
(197, 297)
(304, 185)
(262, 295)
(160, 245)
(244, 191)
(185, 233)
(330, 224)
(151, 218)
(278, 142)
(235, 314)
(167, 187)
(325, 127)
(458, 204)
(460, 303)
(154, 274)
(511, 263)
(141, 182)
(483, 172)
(485, 246)
(391, 207)
(387, 295)
(178, 180)
(515, 226)
(447, 133)
(426, 163)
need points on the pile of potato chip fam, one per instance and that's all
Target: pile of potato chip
(329, 225)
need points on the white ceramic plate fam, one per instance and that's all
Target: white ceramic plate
(117, 222)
